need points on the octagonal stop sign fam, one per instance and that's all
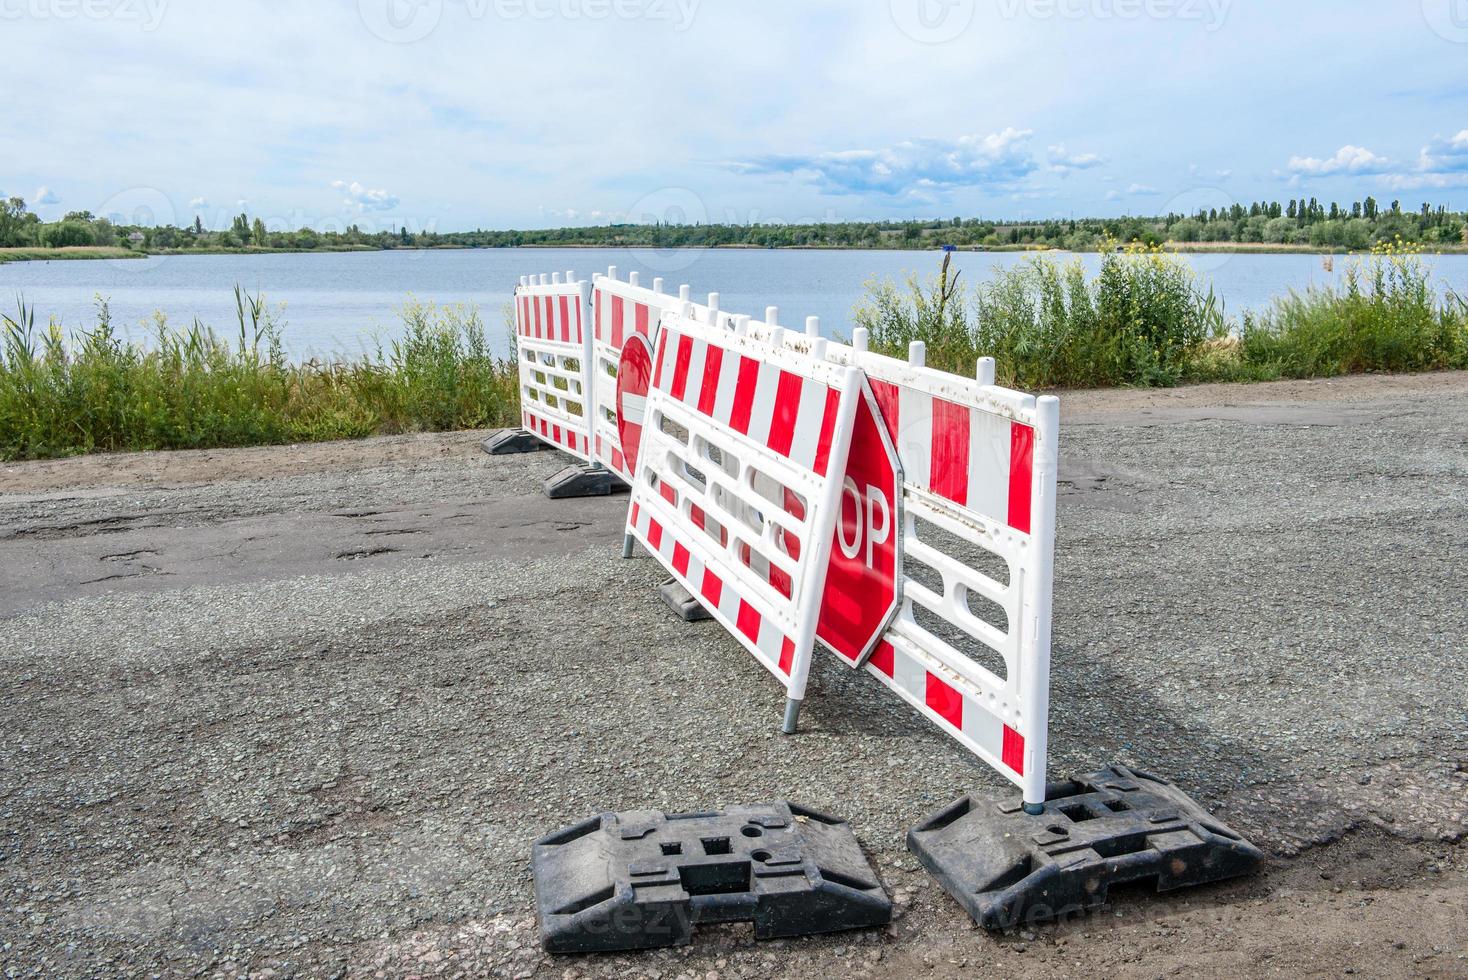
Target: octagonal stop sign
(862, 591)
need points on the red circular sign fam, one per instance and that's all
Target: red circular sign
(634, 379)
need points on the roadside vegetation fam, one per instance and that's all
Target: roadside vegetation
(192, 388)
(1144, 320)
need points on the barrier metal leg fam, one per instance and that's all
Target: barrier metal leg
(628, 542)
(792, 716)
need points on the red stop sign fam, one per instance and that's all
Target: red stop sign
(634, 379)
(862, 593)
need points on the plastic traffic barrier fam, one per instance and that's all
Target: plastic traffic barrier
(620, 312)
(921, 551)
(553, 348)
(557, 399)
(739, 477)
(642, 880)
(1009, 868)
(969, 647)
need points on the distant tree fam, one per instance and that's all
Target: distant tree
(258, 235)
(67, 234)
(13, 223)
(104, 232)
(1371, 210)
(198, 225)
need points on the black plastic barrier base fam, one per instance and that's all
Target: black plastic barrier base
(581, 481)
(1009, 869)
(644, 879)
(511, 442)
(682, 602)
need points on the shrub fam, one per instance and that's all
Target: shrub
(193, 389)
(1141, 320)
(1387, 316)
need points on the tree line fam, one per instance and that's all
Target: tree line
(1298, 222)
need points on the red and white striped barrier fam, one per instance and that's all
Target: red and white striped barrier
(620, 310)
(557, 403)
(970, 646)
(803, 490)
(739, 478)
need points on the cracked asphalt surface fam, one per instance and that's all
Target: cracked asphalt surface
(301, 710)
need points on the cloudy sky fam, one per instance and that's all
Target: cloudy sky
(454, 114)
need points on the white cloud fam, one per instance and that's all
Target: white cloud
(1450, 154)
(1063, 162)
(360, 198)
(912, 168)
(1347, 160)
(1142, 189)
(199, 203)
(44, 195)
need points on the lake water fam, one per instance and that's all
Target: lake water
(336, 302)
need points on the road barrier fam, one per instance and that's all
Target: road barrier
(970, 645)
(922, 550)
(621, 311)
(554, 348)
(738, 479)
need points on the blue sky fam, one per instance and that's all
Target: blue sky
(454, 114)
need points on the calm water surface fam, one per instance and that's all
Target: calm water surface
(337, 303)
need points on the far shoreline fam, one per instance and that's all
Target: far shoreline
(83, 254)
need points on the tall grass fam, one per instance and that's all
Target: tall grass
(191, 388)
(1145, 320)
(1387, 316)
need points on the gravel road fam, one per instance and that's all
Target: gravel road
(301, 710)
